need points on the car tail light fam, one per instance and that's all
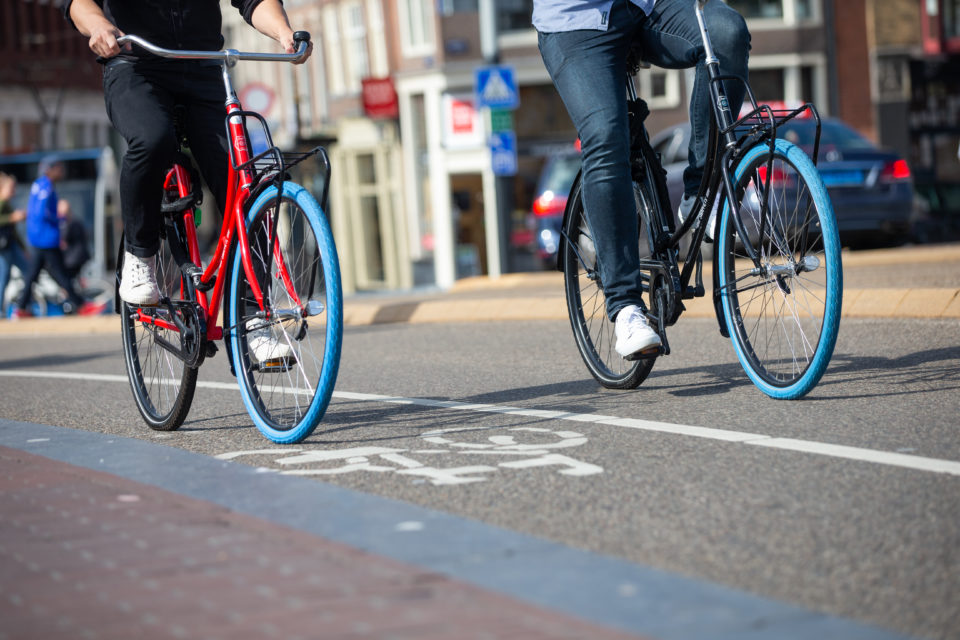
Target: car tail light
(549, 204)
(896, 171)
(780, 178)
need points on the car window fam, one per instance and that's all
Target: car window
(559, 174)
(832, 134)
(671, 147)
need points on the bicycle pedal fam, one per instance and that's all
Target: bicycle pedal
(276, 365)
(645, 354)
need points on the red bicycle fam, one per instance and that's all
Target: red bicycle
(275, 273)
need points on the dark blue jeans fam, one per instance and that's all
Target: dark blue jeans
(52, 261)
(589, 70)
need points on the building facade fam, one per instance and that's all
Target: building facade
(414, 197)
(50, 83)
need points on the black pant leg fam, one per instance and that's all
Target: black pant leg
(140, 106)
(30, 277)
(204, 98)
(54, 264)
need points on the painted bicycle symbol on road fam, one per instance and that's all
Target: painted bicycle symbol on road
(501, 451)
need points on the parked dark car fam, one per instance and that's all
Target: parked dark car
(549, 201)
(871, 189)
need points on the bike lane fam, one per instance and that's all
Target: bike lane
(104, 536)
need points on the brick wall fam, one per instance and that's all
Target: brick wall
(853, 66)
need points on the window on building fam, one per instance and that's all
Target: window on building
(784, 10)
(450, 7)
(416, 27)
(332, 44)
(514, 15)
(792, 84)
(767, 84)
(379, 65)
(355, 45)
(758, 8)
(951, 19)
(660, 88)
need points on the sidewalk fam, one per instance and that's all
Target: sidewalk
(111, 537)
(910, 282)
(91, 554)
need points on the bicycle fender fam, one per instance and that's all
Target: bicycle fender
(562, 244)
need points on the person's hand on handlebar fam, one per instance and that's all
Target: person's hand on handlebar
(290, 45)
(270, 19)
(103, 34)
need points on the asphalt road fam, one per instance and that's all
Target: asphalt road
(500, 422)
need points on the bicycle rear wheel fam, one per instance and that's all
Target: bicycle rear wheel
(162, 384)
(286, 356)
(586, 302)
(783, 317)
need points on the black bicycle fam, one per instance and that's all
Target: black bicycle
(777, 274)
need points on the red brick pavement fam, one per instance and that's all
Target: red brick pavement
(85, 554)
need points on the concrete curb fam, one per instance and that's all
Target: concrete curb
(857, 303)
(540, 296)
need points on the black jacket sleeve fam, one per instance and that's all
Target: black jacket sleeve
(246, 8)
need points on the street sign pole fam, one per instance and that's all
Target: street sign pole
(503, 185)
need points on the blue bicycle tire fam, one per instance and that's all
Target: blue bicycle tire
(288, 424)
(804, 282)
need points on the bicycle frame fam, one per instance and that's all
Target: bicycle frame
(243, 181)
(761, 124)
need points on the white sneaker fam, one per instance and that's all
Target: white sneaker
(265, 345)
(138, 280)
(634, 333)
(687, 204)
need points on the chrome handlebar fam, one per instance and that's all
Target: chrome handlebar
(228, 56)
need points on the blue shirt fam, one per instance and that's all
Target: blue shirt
(43, 225)
(552, 16)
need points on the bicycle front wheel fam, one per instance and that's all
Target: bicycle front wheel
(162, 384)
(286, 355)
(783, 315)
(586, 302)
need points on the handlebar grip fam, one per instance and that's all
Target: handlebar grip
(300, 36)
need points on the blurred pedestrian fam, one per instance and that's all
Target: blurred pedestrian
(11, 247)
(76, 251)
(43, 234)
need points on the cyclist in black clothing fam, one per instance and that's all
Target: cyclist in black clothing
(141, 92)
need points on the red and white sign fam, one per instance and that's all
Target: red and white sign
(380, 98)
(255, 96)
(461, 122)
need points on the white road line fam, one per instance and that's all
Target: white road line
(903, 460)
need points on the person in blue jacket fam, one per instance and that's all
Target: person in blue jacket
(43, 234)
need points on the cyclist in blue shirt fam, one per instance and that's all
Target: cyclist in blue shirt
(584, 45)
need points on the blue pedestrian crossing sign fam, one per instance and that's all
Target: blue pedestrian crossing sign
(496, 87)
(503, 153)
